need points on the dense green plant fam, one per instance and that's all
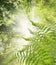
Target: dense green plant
(41, 49)
(42, 45)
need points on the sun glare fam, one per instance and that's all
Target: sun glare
(23, 25)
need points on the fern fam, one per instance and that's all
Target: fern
(41, 49)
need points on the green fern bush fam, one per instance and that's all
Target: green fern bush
(42, 45)
(42, 48)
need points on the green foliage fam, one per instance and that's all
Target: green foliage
(42, 48)
(42, 45)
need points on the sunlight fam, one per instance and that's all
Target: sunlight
(22, 27)
(20, 43)
(1, 49)
(23, 24)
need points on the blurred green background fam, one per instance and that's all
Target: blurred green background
(27, 32)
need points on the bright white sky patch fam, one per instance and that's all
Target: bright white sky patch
(23, 25)
(1, 49)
